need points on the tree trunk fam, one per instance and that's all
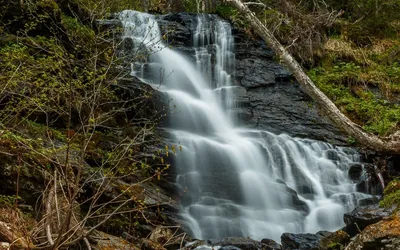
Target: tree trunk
(376, 143)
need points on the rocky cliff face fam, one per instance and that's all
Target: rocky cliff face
(275, 100)
(267, 95)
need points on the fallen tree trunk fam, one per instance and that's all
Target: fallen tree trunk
(382, 144)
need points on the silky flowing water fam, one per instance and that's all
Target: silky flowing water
(238, 182)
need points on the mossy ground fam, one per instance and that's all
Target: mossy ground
(363, 82)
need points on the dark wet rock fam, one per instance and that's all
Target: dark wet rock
(303, 184)
(230, 248)
(361, 217)
(335, 240)
(302, 241)
(295, 201)
(178, 34)
(355, 172)
(231, 243)
(392, 167)
(277, 103)
(370, 186)
(268, 244)
(239, 242)
(130, 89)
(368, 201)
(332, 154)
(306, 190)
(370, 179)
(384, 235)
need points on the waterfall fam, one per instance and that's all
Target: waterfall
(239, 182)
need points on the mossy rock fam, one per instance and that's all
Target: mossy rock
(391, 194)
(383, 235)
(334, 241)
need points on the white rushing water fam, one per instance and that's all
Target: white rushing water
(239, 182)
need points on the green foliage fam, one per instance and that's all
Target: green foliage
(334, 246)
(8, 200)
(363, 92)
(368, 19)
(62, 111)
(227, 12)
(190, 5)
(377, 15)
(27, 73)
(76, 30)
(351, 140)
(391, 194)
(104, 8)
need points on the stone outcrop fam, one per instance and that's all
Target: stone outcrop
(361, 217)
(384, 235)
(275, 101)
(302, 241)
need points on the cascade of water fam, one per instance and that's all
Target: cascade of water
(239, 182)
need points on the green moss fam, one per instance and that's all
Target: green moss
(350, 86)
(34, 79)
(391, 194)
(190, 5)
(333, 246)
(49, 5)
(77, 30)
(227, 11)
(392, 199)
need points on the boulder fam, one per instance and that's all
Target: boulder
(355, 172)
(332, 154)
(302, 241)
(238, 242)
(268, 244)
(361, 217)
(368, 201)
(384, 235)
